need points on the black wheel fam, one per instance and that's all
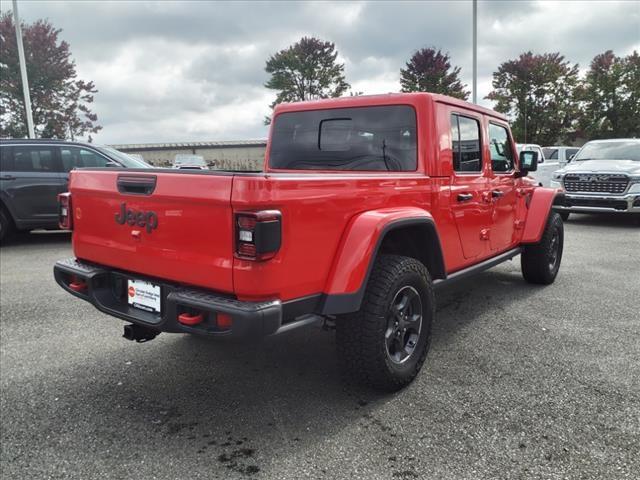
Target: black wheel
(6, 226)
(564, 215)
(541, 261)
(385, 343)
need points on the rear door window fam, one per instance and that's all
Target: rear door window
(365, 138)
(33, 159)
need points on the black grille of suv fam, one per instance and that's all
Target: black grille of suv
(596, 183)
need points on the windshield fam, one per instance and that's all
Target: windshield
(361, 138)
(123, 158)
(622, 150)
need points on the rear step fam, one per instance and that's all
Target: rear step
(139, 333)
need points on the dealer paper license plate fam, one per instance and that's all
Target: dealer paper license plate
(144, 295)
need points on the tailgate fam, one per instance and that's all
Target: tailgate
(176, 226)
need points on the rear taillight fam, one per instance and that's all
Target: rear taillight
(65, 214)
(258, 234)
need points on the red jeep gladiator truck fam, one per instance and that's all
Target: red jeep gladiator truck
(366, 206)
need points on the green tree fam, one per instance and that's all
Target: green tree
(307, 70)
(59, 101)
(610, 97)
(537, 93)
(430, 70)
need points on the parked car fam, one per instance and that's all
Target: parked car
(190, 162)
(559, 154)
(604, 176)
(367, 205)
(34, 172)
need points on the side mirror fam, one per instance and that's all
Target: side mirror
(528, 162)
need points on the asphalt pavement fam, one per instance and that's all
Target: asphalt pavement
(521, 381)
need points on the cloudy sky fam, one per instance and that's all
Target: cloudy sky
(195, 70)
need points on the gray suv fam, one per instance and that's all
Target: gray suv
(34, 172)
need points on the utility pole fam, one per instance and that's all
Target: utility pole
(23, 70)
(475, 51)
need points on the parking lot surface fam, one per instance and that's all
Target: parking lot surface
(521, 381)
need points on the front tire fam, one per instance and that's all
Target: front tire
(541, 261)
(385, 343)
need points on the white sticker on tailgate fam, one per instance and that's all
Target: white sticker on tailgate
(144, 295)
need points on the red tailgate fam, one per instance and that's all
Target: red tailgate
(179, 227)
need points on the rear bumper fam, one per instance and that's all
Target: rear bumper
(629, 203)
(105, 289)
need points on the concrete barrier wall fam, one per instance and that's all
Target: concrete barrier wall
(223, 156)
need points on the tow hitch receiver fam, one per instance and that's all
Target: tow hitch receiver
(139, 333)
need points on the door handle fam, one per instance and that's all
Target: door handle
(7, 177)
(497, 193)
(465, 197)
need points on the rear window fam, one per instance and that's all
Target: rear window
(364, 138)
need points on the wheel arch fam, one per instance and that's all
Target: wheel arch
(7, 212)
(411, 232)
(540, 205)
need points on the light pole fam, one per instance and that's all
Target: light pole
(23, 70)
(475, 52)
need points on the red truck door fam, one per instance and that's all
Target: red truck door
(470, 203)
(502, 188)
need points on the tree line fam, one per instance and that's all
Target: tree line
(543, 95)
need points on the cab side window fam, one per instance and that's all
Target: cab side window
(77, 157)
(569, 153)
(500, 147)
(465, 144)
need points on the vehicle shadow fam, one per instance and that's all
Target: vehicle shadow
(605, 220)
(37, 237)
(250, 401)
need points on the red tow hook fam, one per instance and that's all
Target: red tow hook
(77, 285)
(189, 319)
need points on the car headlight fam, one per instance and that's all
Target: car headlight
(557, 176)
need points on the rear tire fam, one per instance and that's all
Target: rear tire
(564, 216)
(385, 343)
(541, 261)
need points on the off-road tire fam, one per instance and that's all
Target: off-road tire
(538, 262)
(564, 215)
(6, 225)
(360, 337)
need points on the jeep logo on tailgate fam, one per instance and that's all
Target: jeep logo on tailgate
(134, 217)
